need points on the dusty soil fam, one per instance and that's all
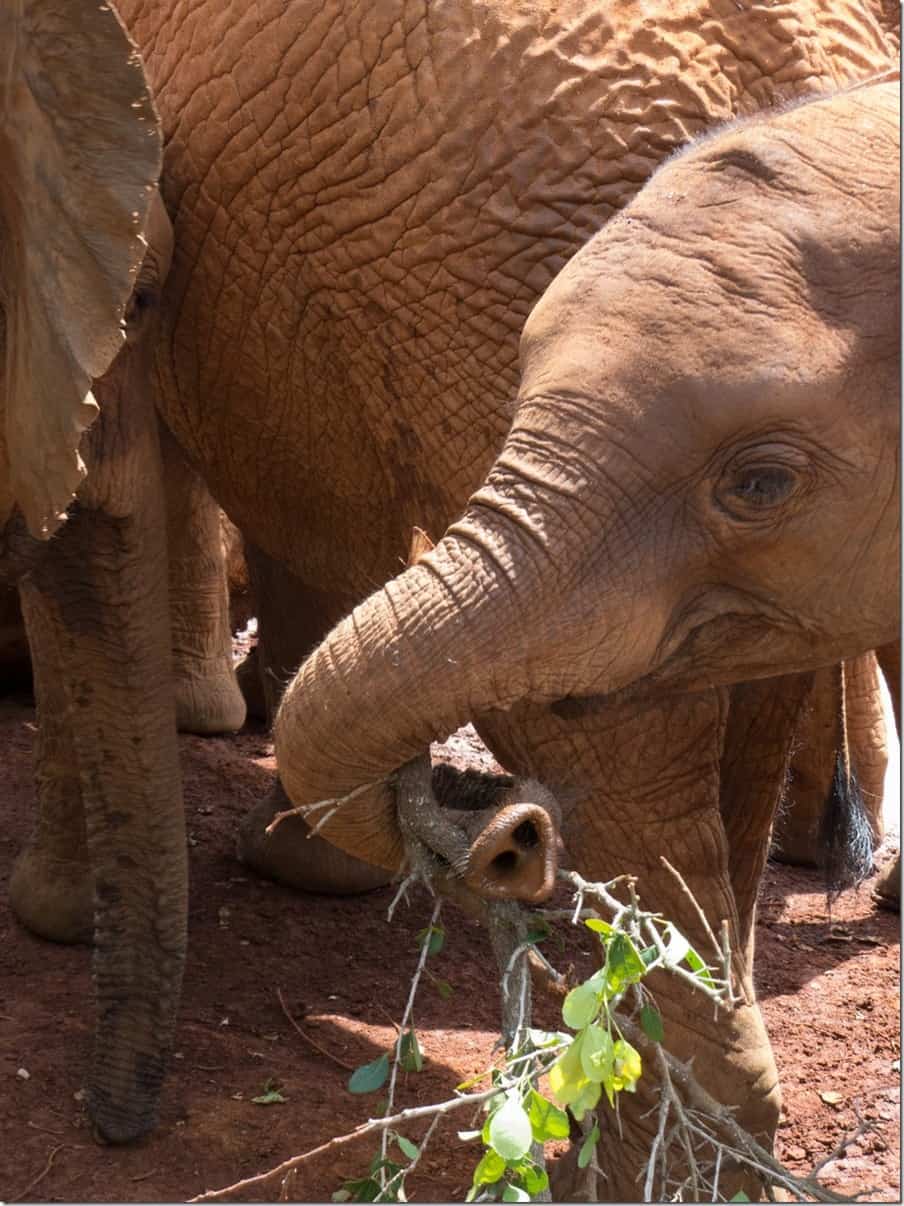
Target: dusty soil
(830, 996)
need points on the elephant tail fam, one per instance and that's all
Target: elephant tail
(845, 838)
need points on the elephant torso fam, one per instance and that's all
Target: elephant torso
(368, 200)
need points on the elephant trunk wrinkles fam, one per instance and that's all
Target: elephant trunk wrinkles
(445, 640)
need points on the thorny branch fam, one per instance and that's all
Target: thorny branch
(689, 1120)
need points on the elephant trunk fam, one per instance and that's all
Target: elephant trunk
(444, 641)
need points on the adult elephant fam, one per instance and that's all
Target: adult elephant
(709, 395)
(80, 151)
(367, 201)
(376, 198)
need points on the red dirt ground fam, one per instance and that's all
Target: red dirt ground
(830, 997)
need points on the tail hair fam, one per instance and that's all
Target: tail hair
(845, 839)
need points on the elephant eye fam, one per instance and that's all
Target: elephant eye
(750, 490)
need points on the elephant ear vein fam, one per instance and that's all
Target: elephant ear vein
(81, 150)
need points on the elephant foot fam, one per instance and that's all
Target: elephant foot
(53, 897)
(887, 891)
(208, 701)
(290, 856)
(248, 676)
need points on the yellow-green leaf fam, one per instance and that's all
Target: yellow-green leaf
(547, 1121)
(597, 1055)
(581, 1006)
(627, 1066)
(566, 1076)
(587, 1099)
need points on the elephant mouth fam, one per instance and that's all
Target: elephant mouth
(717, 637)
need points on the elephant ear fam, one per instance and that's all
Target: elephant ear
(80, 154)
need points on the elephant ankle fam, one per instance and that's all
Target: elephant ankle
(208, 700)
(292, 857)
(53, 897)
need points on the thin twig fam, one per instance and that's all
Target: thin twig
(307, 1038)
(863, 1127)
(694, 902)
(144, 1176)
(406, 1018)
(421, 1148)
(366, 1128)
(46, 1129)
(302, 810)
(43, 1173)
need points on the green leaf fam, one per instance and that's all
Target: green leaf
(341, 1195)
(539, 930)
(532, 1178)
(649, 954)
(269, 1097)
(651, 1023)
(588, 1147)
(698, 967)
(740, 1196)
(512, 1193)
(510, 1133)
(410, 1053)
(623, 965)
(370, 1077)
(599, 927)
(547, 1121)
(489, 1169)
(434, 936)
(407, 1148)
(547, 1038)
(581, 1006)
(364, 1190)
(443, 987)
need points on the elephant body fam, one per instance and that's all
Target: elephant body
(367, 202)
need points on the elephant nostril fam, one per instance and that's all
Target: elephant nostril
(526, 835)
(505, 862)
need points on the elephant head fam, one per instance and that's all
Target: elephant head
(700, 482)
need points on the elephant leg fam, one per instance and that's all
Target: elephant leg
(867, 736)
(637, 781)
(762, 721)
(887, 890)
(795, 838)
(208, 699)
(292, 618)
(889, 659)
(249, 676)
(51, 889)
(100, 600)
